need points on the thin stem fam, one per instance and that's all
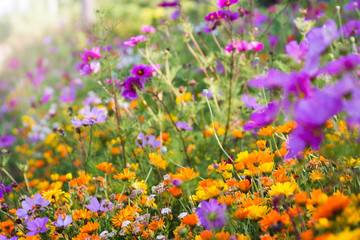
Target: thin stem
(177, 129)
(212, 120)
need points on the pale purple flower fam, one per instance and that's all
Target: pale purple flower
(297, 51)
(63, 222)
(7, 140)
(226, 3)
(183, 126)
(250, 102)
(30, 205)
(212, 214)
(273, 79)
(3, 237)
(96, 115)
(96, 206)
(144, 141)
(38, 225)
(68, 95)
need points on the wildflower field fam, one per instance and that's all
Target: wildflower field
(216, 119)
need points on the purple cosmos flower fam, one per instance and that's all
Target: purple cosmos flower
(68, 94)
(212, 214)
(314, 111)
(273, 41)
(148, 29)
(85, 69)
(301, 138)
(143, 141)
(296, 51)
(319, 39)
(209, 94)
(352, 28)
(4, 189)
(130, 85)
(48, 93)
(225, 3)
(345, 63)
(3, 237)
(352, 5)
(166, 4)
(262, 118)
(95, 206)
(273, 79)
(142, 70)
(250, 102)
(38, 225)
(183, 126)
(134, 40)
(7, 140)
(175, 14)
(63, 222)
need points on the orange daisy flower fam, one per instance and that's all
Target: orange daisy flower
(190, 219)
(175, 191)
(126, 175)
(89, 227)
(186, 174)
(106, 167)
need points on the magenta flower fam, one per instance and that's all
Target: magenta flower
(48, 93)
(183, 126)
(134, 40)
(166, 4)
(256, 46)
(343, 64)
(226, 3)
(7, 140)
(212, 214)
(90, 55)
(273, 41)
(63, 222)
(38, 225)
(142, 71)
(263, 117)
(96, 206)
(131, 84)
(148, 29)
